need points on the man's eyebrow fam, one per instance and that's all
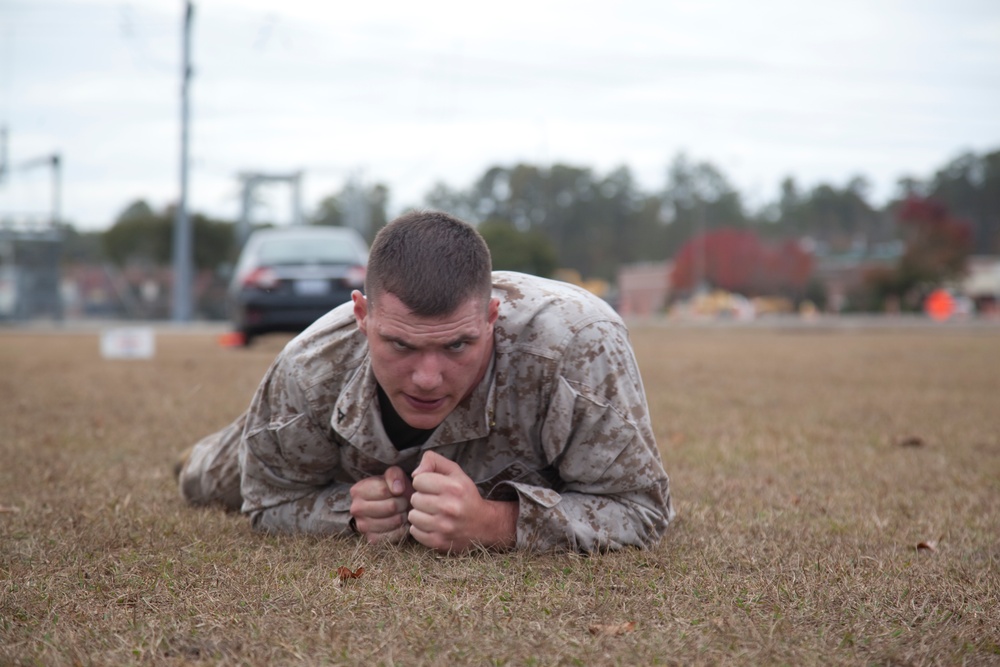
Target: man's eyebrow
(394, 339)
(461, 338)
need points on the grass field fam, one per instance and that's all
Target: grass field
(838, 497)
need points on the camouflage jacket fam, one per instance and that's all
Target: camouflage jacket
(559, 424)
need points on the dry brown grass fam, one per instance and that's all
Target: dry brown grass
(800, 512)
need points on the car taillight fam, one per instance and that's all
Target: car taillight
(355, 277)
(262, 278)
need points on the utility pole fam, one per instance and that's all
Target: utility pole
(183, 246)
(56, 189)
(700, 269)
(3, 152)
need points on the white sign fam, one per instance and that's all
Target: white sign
(128, 343)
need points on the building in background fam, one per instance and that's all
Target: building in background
(644, 288)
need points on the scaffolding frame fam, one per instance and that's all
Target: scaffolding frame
(251, 181)
(31, 252)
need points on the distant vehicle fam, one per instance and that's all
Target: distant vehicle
(288, 277)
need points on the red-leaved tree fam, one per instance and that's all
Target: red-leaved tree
(937, 244)
(937, 247)
(737, 260)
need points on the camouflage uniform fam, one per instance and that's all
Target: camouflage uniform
(559, 424)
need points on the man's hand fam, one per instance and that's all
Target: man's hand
(379, 505)
(450, 516)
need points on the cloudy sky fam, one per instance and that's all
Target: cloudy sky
(411, 93)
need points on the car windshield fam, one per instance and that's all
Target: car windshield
(306, 251)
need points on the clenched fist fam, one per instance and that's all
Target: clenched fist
(449, 515)
(379, 505)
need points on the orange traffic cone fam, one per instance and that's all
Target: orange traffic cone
(232, 339)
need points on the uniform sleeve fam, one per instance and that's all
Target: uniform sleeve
(290, 462)
(613, 489)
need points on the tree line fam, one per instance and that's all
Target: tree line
(540, 218)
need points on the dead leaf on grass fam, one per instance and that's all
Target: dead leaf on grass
(910, 441)
(611, 629)
(5, 509)
(928, 545)
(346, 573)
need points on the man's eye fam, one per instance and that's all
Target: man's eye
(460, 345)
(399, 346)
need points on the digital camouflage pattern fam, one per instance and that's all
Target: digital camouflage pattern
(559, 424)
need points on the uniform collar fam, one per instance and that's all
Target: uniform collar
(357, 419)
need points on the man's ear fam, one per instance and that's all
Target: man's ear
(360, 310)
(493, 311)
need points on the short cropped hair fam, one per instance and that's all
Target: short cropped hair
(431, 261)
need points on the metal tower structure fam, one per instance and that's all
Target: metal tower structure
(251, 180)
(30, 251)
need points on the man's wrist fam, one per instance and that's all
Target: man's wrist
(502, 523)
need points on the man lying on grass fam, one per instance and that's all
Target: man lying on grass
(458, 406)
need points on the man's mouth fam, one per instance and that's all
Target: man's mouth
(424, 405)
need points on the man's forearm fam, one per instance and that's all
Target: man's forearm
(324, 512)
(587, 523)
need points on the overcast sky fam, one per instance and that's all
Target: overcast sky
(411, 93)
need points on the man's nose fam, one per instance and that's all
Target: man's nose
(427, 373)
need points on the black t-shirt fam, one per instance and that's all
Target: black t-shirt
(401, 435)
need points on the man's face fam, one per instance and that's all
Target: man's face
(427, 365)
